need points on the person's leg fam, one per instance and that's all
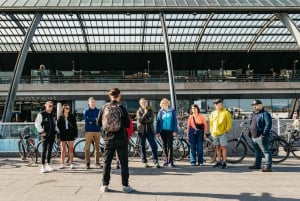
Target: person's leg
(170, 147)
(88, 140)
(200, 147)
(143, 147)
(44, 151)
(224, 143)
(123, 156)
(264, 146)
(165, 148)
(108, 156)
(71, 150)
(50, 146)
(153, 145)
(63, 145)
(257, 151)
(96, 138)
(192, 147)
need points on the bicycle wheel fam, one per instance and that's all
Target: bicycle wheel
(54, 152)
(22, 151)
(79, 149)
(295, 147)
(131, 148)
(236, 151)
(178, 150)
(33, 154)
(279, 149)
(186, 147)
(209, 151)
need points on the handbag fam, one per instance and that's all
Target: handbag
(198, 126)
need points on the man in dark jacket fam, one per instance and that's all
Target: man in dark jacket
(145, 118)
(114, 119)
(45, 124)
(260, 127)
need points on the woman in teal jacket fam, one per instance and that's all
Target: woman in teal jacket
(166, 127)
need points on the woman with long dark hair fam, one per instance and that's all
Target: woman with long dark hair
(68, 132)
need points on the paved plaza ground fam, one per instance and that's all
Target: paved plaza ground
(21, 180)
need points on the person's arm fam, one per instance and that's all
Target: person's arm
(158, 122)
(126, 119)
(175, 124)
(75, 128)
(228, 122)
(38, 123)
(188, 125)
(88, 119)
(268, 123)
(210, 122)
(205, 123)
(99, 118)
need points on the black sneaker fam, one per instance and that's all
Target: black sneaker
(218, 164)
(88, 165)
(224, 165)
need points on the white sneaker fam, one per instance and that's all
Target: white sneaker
(62, 166)
(72, 166)
(43, 169)
(49, 168)
(127, 189)
(104, 189)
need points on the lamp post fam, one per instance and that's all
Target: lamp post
(295, 61)
(148, 62)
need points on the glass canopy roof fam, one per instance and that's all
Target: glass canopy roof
(93, 31)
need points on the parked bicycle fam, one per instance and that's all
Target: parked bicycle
(56, 149)
(286, 144)
(79, 148)
(26, 145)
(237, 148)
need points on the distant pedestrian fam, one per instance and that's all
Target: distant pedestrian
(166, 127)
(196, 127)
(68, 132)
(114, 119)
(145, 118)
(220, 124)
(45, 124)
(92, 132)
(260, 127)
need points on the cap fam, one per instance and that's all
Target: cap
(218, 101)
(256, 102)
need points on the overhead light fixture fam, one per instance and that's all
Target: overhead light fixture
(128, 13)
(195, 13)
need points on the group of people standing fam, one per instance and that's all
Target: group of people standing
(113, 119)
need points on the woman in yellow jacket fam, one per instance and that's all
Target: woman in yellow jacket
(220, 123)
(196, 127)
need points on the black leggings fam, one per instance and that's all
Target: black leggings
(167, 140)
(47, 146)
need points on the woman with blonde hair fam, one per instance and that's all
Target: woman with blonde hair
(68, 133)
(166, 127)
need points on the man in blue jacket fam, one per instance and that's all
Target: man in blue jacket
(92, 132)
(260, 127)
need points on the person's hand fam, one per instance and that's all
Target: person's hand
(157, 135)
(174, 134)
(204, 136)
(43, 134)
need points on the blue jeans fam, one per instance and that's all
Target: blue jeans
(150, 137)
(261, 146)
(196, 145)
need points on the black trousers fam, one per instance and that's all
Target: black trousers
(167, 140)
(47, 148)
(122, 151)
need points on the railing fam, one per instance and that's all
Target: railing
(148, 78)
(9, 132)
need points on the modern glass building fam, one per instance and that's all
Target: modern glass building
(186, 50)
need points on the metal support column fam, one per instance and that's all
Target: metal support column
(169, 61)
(19, 68)
(290, 25)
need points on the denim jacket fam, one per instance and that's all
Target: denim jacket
(263, 123)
